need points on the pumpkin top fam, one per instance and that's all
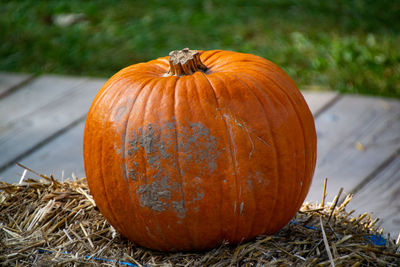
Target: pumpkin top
(185, 62)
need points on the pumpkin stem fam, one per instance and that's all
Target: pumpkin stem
(185, 62)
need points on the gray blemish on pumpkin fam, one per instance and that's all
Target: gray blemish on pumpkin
(198, 191)
(117, 150)
(260, 178)
(179, 207)
(131, 174)
(250, 183)
(199, 196)
(152, 195)
(119, 113)
(170, 125)
(147, 138)
(195, 144)
(163, 150)
(202, 142)
(241, 208)
(212, 166)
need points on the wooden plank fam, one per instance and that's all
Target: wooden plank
(33, 96)
(9, 81)
(41, 110)
(318, 100)
(61, 157)
(64, 153)
(355, 136)
(381, 196)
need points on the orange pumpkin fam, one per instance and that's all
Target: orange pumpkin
(183, 153)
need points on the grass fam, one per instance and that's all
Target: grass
(350, 46)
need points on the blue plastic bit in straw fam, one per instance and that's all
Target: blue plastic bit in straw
(305, 226)
(94, 258)
(377, 240)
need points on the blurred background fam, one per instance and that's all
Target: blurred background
(350, 46)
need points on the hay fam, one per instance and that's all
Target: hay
(56, 223)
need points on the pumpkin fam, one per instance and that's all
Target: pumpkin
(199, 148)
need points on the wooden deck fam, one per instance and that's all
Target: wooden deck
(42, 120)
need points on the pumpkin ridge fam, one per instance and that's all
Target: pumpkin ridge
(178, 160)
(233, 78)
(273, 136)
(151, 89)
(238, 67)
(103, 172)
(193, 237)
(208, 55)
(300, 123)
(93, 107)
(304, 188)
(123, 151)
(200, 100)
(296, 204)
(154, 89)
(254, 194)
(229, 139)
(232, 62)
(283, 91)
(212, 60)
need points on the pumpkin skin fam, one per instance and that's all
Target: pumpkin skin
(180, 163)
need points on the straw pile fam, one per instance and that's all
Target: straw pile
(57, 223)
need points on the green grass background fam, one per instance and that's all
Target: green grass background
(350, 46)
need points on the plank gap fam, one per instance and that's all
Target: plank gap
(41, 143)
(50, 103)
(24, 81)
(327, 105)
(375, 172)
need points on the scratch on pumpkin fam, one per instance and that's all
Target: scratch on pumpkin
(265, 142)
(242, 125)
(241, 207)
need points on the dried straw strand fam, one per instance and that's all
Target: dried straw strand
(327, 248)
(48, 223)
